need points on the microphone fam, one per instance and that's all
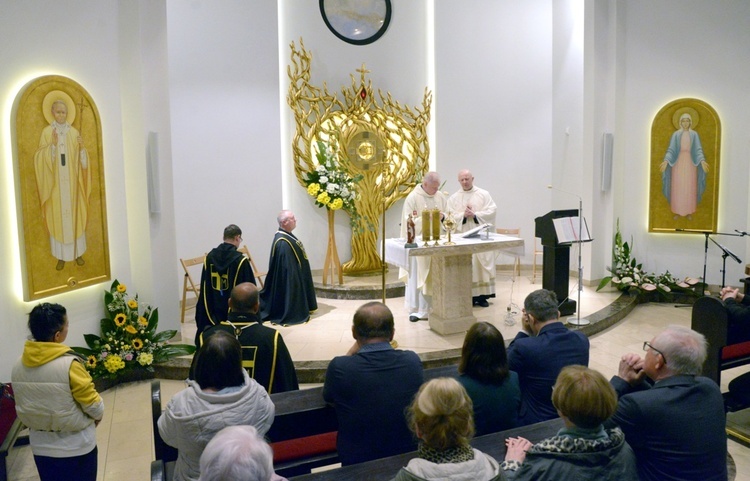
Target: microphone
(551, 187)
(729, 253)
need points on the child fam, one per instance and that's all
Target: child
(56, 399)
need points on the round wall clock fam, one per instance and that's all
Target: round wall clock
(358, 22)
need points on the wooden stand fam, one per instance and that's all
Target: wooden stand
(332, 263)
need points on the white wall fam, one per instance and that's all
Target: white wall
(224, 114)
(35, 45)
(676, 49)
(494, 103)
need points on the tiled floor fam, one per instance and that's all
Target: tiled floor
(125, 439)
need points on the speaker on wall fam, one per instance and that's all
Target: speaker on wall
(607, 144)
(152, 173)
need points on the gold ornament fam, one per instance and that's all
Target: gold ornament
(382, 140)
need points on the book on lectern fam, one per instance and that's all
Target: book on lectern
(567, 229)
(475, 231)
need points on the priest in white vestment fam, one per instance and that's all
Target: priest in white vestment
(471, 207)
(64, 184)
(417, 278)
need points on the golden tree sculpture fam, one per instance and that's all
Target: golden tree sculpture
(382, 140)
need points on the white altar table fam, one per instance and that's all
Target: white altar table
(450, 274)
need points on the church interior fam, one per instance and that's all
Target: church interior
(197, 132)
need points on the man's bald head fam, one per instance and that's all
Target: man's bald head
(244, 298)
(373, 321)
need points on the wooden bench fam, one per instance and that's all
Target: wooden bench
(10, 428)
(165, 456)
(302, 436)
(386, 468)
(710, 318)
(303, 432)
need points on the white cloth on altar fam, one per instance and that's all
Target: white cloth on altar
(417, 276)
(483, 271)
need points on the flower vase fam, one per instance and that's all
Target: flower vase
(332, 263)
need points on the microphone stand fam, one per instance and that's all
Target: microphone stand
(726, 253)
(578, 321)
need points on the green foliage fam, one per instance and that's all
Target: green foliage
(129, 339)
(628, 273)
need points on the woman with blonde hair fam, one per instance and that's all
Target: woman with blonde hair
(583, 449)
(441, 416)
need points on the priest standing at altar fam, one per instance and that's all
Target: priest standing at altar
(471, 207)
(417, 278)
(288, 295)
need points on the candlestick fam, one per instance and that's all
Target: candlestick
(426, 227)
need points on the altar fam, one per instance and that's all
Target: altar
(450, 272)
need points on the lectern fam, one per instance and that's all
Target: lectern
(556, 259)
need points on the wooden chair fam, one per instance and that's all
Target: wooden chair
(188, 284)
(517, 262)
(256, 272)
(537, 252)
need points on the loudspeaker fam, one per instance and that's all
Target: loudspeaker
(607, 144)
(152, 173)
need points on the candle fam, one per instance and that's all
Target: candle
(426, 225)
(436, 224)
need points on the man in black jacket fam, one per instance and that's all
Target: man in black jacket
(264, 354)
(675, 425)
(223, 269)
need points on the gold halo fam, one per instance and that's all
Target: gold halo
(685, 110)
(53, 97)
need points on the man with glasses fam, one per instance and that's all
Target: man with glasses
(672, 418)
(223, 269)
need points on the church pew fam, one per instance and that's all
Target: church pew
(386, 468)
(710, 318)
(303, 434)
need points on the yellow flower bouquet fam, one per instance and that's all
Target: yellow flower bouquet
(128, 340)
(330, 185)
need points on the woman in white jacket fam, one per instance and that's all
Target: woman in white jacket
(219, 394)
(441, 416)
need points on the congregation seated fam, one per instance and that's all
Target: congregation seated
(370, 388)
(264, 353)
(441, 418)
(540, 351)
(491, 385)
(583, 449)
(672, 418)
(238, 453)
(219, 394)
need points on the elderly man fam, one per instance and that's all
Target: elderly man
(676, 426)
(471, 207)
(264, 354)
(288, 295)
(371, 387)
(540, 351)
(417, 278)
(223, 269)
(238, 453)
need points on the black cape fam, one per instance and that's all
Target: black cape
(223, 269)
(288, 295)
(264, 354)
